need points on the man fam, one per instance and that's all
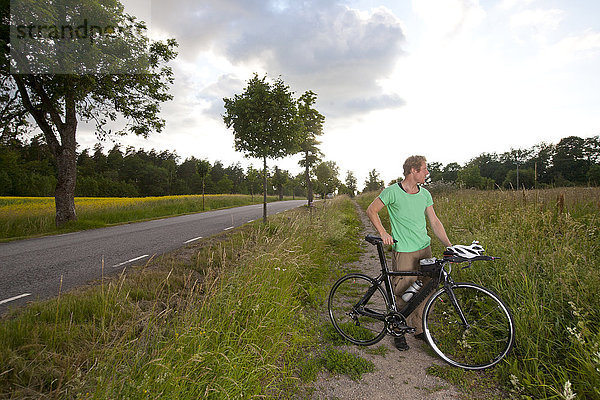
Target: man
(408, 204)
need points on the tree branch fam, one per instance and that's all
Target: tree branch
(38, 115)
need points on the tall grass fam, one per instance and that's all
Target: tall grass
(549, 275)
(27, 216)
(231, 321)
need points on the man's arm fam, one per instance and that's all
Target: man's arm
(373, 214)
(437, 227)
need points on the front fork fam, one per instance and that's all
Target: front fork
(448, 283)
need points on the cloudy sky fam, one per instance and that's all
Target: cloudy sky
(448, 79)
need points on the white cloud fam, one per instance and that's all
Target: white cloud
(536, 24)
(325, 46)
(510, 4)
(449, 17)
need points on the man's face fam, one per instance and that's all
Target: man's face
(421, 174)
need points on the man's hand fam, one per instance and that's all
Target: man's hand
(387, 238)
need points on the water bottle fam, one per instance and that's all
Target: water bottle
(414, 288)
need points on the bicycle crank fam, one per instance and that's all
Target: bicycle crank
(395, 324)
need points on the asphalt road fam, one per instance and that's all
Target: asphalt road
(32, 269)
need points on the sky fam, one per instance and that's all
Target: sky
(447, 79)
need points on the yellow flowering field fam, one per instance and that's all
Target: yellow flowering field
(27, 216)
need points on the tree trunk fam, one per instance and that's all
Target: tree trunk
(309, 189)
(265, 190)
(64, 151)
(64, 196)
(202, 194)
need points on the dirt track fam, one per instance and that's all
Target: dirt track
(398, 375)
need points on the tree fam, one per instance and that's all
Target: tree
(265, 123)
(203, 170)
(253, 178)
(594, 175)
(373, 182)
(327, 178)
(82, 89)
(526, 179)
(569, 160)
(470, 177)
(435, 171)
(280, 179)
(351, 184)
(450, 173)
(312, 126)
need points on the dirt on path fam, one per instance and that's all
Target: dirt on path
(398, 374)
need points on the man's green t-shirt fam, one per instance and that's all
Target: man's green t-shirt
(407, 217)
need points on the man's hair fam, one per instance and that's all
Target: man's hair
(413, 162)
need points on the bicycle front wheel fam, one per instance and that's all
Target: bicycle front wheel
(357, 308)
(474, 332)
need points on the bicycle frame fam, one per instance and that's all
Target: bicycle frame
(385, 278)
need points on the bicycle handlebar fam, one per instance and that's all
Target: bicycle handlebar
(448, 258)
(458, 259)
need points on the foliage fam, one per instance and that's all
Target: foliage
(572, 161)
(265, 122)
(312, 126)
(25, 170)
(349, 186)
(327, 178)
(373, 182)
(85, 87)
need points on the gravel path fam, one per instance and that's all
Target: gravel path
(398, 375)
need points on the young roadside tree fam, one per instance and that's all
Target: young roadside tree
(312, 126)
(204, 168)
(87, 80)
(280, 179)
(327, 178)
(265, 123)
(351, 183)
(253, 179)
(373, 182)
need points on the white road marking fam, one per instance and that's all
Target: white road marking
(193, 240)
(231, 227)
(15, 298)
(252, 220)
(130, 261)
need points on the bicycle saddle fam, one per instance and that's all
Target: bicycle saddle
(464, 251)
(372, 239)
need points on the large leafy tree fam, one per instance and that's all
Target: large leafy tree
(265, 123)
(312, 126)
(115, 75)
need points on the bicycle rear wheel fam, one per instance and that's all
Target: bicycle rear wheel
(357, 308)
(486, 340)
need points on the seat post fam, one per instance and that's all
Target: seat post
(382, 260)
(385, 275)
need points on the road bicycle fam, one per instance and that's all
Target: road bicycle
(465, 324)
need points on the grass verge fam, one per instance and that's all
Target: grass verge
(230, 317)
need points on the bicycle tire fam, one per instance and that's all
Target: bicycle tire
(488, 339)
(351, 322)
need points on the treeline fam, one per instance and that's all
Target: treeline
(27, 169)
(573, 161)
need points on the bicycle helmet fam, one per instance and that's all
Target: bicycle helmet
(471, 251)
